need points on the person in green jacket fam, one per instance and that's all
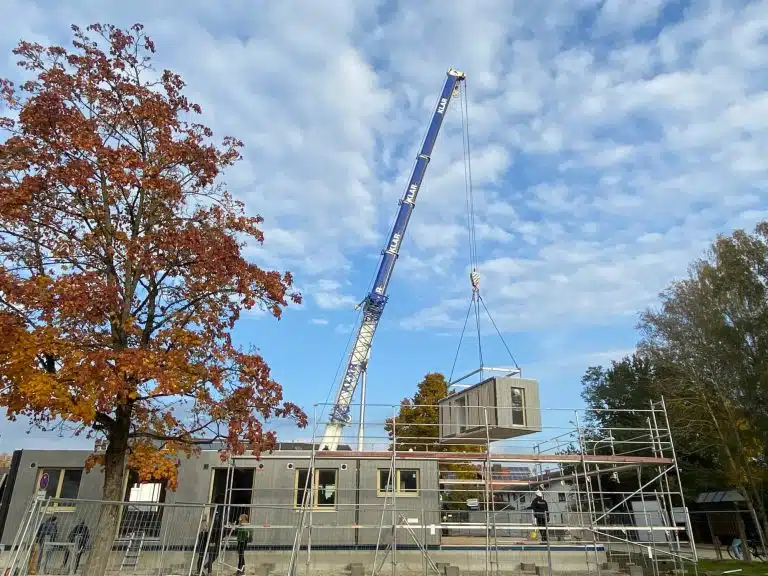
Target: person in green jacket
(244, 536)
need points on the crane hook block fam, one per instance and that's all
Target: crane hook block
(474, 278)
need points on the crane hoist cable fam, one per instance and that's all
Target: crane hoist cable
(476, 301)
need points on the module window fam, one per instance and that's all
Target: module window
(407, 482)
(323, 489)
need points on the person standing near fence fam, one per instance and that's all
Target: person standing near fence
(202, 544)
(80, 537)
(215, 538)
(46, 533)
(244, 537)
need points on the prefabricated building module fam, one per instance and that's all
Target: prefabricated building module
(496, 408)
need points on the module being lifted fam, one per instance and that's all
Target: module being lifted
(495, 409)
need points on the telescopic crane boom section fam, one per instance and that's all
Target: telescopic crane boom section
(374, 303)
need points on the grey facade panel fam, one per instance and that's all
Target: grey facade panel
(503, 387)
(25, 487)
(273, 507)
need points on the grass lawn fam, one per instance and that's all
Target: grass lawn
(717, 567)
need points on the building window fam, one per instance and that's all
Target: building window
(141, 513)
(323, 488)
(561, 496)
(522, 499)
(518, 407)
(461, 414)
(407, 483)
(239, 494)
(63, 484)
(384, 482)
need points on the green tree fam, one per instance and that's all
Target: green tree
(416, 424)
(711, 335)
(612, 394)
(416, 428)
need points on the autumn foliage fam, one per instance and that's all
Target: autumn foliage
(416, 428)
(121, 265)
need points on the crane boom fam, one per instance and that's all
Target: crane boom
(374, 302)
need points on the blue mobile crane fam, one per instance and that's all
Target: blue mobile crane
(374, 303)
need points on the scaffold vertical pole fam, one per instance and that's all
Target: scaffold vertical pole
(661, 472)
(580, 512)
(670, 516)
(587, 489)
(387, 493)
(652, 547)
(491, 496)
(393, 480)
(313, 487)
(689, 527)
(301, 521)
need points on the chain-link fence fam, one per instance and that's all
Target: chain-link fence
(56, 537)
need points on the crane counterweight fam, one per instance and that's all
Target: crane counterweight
(373, 304)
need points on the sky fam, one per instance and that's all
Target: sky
(610, 141)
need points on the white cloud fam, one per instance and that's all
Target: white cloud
(319, 321)
(344, 329)
(327, 295)
(609, 140)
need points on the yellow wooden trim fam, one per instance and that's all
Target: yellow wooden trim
(413, 494)
(56, 507)
(212, 482)
(383, 493)
(314, 487)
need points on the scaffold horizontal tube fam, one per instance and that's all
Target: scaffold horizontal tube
(473, 456)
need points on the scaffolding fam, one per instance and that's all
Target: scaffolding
(613, 493)
(407, 504)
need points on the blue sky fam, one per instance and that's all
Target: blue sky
(611, 140)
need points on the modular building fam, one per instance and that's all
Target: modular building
(494, 409)
(347, 495)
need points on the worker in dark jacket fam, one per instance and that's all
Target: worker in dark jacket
(541, 514)
(202, 545)
(47, 532)
(80, 536)
(209, 542)
(215, 538)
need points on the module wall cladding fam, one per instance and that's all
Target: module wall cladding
(272, 501)
(465, 415)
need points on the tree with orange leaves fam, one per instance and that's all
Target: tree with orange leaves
(121, 266)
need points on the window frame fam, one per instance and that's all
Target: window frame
(152, 510)
(461, 414)
(382, 492)
(235, 508)
(56, 506)
(515, 409)
(314, 485)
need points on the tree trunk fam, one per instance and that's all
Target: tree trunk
(756, 517)
(114, 473)
(740, 469)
